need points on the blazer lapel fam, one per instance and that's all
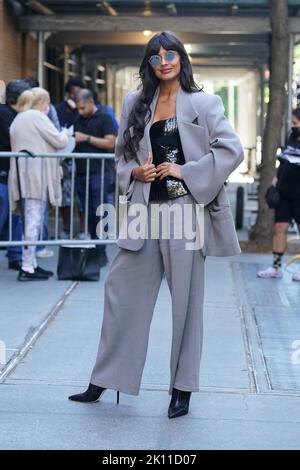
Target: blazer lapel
(185, 108)
(147, 127)
(147, 141)
(193, 136)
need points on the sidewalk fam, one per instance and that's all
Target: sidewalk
(250, 388)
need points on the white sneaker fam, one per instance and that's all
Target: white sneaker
(82, 236)
(44, 253)
(270, 273)
(296, 276)
(64, 235)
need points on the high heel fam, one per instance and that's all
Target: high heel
(179, 405)
(93, 393)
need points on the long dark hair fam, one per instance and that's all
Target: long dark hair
(140, 114)
(296, 113)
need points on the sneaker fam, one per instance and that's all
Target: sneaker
(14, 265)
(44, 253)
(270, 273)
(64, 235)
(83, 236)
(36, 276)
(40, 270)
(296, 276)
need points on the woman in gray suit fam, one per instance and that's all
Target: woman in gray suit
(175, 149)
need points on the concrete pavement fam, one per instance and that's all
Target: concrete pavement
(250, 374)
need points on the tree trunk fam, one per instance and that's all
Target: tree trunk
(262, 231)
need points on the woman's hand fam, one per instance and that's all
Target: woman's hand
(274, 181)
(146, 172)
(169, 169)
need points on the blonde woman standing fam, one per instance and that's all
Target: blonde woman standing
(39, 177)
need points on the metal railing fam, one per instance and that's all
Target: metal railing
(73, 157)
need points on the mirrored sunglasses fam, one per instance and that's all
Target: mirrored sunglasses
(156, 60)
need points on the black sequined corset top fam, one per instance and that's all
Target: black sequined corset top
(166, 147)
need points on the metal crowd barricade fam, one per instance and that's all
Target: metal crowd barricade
(60, 157)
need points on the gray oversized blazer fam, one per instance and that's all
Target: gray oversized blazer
(212, 150)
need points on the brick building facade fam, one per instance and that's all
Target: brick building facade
(18, 51)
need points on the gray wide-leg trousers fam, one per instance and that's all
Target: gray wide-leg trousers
(131, 290)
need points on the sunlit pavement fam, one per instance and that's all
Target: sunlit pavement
(250, 373)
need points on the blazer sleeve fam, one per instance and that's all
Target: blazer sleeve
(124, 168)
(48, 131)
(205, 177)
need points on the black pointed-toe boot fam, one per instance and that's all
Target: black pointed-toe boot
(179, 405)
(93, 393)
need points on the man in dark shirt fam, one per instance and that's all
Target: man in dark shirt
(288, 174)
(94, 133)
(7, 114)
(67, 114)
(287, 182)
(67, 111)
